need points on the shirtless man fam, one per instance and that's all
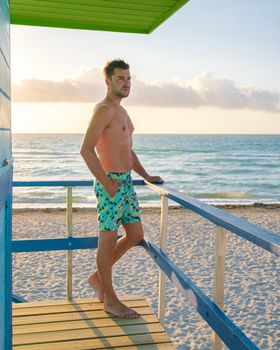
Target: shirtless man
(107, 151)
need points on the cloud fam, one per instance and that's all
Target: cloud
(224, 93)
(88, 86)
(163, 95)
(203, 90)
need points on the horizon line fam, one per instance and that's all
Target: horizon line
(152, 133)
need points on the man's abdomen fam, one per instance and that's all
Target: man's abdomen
(116, 160)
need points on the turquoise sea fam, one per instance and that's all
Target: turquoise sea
(218, 169)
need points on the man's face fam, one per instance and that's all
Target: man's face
(120, 82)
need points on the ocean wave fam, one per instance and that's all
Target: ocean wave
(225, 195)
(224, 168)
(172, 150)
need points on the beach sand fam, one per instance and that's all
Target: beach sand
(251, 284)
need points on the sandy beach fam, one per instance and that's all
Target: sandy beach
(251, 286)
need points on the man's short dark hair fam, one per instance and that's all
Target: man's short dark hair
(111, 65)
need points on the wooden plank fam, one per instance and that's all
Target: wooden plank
(219, 279)
(92, 333)
(73, 301)
(155, 6)
(79, 324)
(5, 151)
(5, 81)
(69, 229)
(5, 31)
(163, 346)
(5, 112)
(5, 44)
(163, 243)
(103, 343)
(81, 329)
(6, 174)
(2, 277)
(5, 179)
(41, 310)
(67, 10)
(71, 316)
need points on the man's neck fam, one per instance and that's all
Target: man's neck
(115, 100)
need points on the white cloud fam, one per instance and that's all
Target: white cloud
(203, 90)
(225, 94)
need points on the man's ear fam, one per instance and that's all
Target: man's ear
(107, 81)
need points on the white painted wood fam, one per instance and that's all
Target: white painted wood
(219, 279)
(163, 244)
(69, 225)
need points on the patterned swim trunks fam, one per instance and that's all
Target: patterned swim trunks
(122, 208)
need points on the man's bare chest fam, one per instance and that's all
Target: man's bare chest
(120, 124)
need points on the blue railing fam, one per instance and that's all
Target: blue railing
(223, 327)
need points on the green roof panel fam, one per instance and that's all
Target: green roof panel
(139, 16)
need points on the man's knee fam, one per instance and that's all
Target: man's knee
(107, 240)
(136, 237)
(139, 236)
(134, 232)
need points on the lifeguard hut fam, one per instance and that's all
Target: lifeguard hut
(87, 327)
(119, 16)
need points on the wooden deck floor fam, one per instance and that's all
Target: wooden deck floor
(82, 324)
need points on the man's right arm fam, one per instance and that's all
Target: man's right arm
(101, 118)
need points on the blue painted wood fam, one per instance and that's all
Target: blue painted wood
(6, 174)
(5, 147)
(8, 268)
(82, 183)
(4, 31)
(5, 254)
(2, 278)
(257, 235)
(38, 245)
(52, 183)
(5, 15)
(5, 181)
(42, 245)
(232, 336)
(18, 299)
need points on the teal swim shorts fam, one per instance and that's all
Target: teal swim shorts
(123, 207)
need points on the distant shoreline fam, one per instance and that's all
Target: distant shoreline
(199, 134)
(149, 207)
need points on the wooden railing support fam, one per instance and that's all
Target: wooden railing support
(219, 279)
(163, 243)
(69, 227)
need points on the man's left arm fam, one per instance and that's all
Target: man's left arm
(139, 169)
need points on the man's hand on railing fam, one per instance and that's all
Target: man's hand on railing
(154, 179)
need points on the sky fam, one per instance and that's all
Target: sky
(213, 67)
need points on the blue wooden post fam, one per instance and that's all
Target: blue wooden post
(6, 171)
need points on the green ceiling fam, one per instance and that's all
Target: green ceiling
(132, 16)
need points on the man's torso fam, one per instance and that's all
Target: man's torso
(115, 143)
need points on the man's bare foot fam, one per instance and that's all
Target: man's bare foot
(120, 310)
(95, 282)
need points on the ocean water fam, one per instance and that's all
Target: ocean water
(218, 169)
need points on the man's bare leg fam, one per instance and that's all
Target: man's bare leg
(134, 234)
(106, 245)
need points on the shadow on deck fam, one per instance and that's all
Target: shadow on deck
(83, 324)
